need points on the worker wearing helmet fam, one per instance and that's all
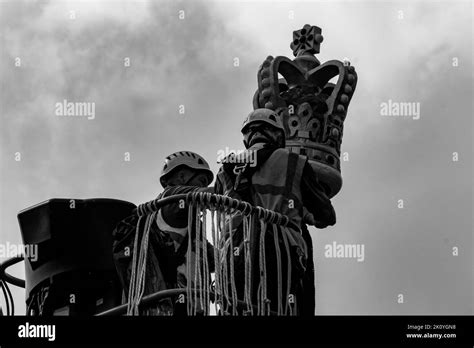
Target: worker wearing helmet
(263, 126)
(182, 172)
(283, 182)
(185, 168)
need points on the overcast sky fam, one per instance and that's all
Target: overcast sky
(403, 51)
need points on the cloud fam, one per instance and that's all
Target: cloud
(190, 62)
(173, 61)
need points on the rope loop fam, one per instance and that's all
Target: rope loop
(218, 201)
(189, 197)
(247, 210)
(235, 203)
(278, 222)
(201, 197)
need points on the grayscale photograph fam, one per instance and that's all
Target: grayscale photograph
(246, 159)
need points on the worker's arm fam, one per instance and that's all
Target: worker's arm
(315, 200)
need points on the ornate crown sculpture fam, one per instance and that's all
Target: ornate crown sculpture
(313, 109)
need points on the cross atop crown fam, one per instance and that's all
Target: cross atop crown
(306, 41)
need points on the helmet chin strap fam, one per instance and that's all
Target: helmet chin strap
(269, 141)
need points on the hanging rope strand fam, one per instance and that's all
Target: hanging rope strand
(263, 270)
(197, 268)
(205, 261)
(248, 221)
(225, 268)
(288, 258)
(137, 281)
(218, 270)
(279, 271)
(215, 243)
(189, 299)
(135, 256)
(232, 270)
(143, 262)
(222, 256)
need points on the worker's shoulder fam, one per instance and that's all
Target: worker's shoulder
(286, 153)
(280, 153)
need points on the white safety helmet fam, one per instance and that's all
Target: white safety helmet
(263, 115)
(185, 158)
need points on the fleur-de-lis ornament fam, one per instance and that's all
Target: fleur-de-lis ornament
(313, 109)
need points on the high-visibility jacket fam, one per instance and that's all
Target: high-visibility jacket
(276, 185)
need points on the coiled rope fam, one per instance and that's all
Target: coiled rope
(223, 211)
